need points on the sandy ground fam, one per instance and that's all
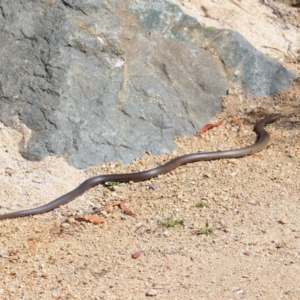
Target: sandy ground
(238, 231)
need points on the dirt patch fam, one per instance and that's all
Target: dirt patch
(226, 229)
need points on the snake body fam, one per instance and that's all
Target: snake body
(261, 142)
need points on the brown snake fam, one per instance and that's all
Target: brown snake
(261, 142)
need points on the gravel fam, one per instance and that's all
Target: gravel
(252, 205)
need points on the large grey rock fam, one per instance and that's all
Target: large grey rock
(100, 81)
(254, 71)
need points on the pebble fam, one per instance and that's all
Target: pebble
(104, 213)
(240, 292)
(249, 110)
(140, 224)
(283, 220)
(166, 232)
(109, 208)
(151, 293)
(153, 187)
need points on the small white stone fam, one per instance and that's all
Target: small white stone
(166, 232)
(237, 73)
(235, 128)
(151, 293)
(104, 213)
(240, 292)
